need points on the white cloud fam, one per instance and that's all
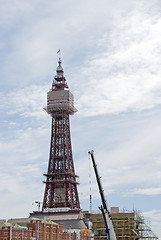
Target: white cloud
(111, 58)
(127, 151)
(155, 218)
(27, 102)
(148, 191)
(155, 214)
(126, 74)
(23, 159)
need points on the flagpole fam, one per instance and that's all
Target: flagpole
(58, 52)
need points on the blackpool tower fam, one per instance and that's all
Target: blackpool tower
(61, 180)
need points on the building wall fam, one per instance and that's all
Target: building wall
(8, 233)
(36, 230)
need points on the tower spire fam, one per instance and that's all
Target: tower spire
(59, 82)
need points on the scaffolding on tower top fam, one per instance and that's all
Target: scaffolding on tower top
(61, 100)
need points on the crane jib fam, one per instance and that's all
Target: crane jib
(106, 214)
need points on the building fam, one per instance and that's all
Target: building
(33, 229)
(71, 221)
(127, 226)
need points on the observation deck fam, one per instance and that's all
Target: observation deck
(60, 97)
(61, 100)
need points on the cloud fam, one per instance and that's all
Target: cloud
(155, 220)
(125, 75)
(26, 103)
(127, 153)
(155, 214)
(147, 191)
(29, 53)
(111, 58)
(24, 157)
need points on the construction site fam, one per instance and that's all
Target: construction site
(127, 225)
(61, 216)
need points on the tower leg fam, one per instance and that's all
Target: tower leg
(61, 184)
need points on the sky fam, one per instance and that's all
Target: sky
(111, 55)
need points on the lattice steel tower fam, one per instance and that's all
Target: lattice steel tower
(60, 185)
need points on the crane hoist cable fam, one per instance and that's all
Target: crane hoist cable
(90, 187)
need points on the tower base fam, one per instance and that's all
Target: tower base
(71, 219)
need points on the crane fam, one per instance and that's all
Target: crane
(105, 212)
